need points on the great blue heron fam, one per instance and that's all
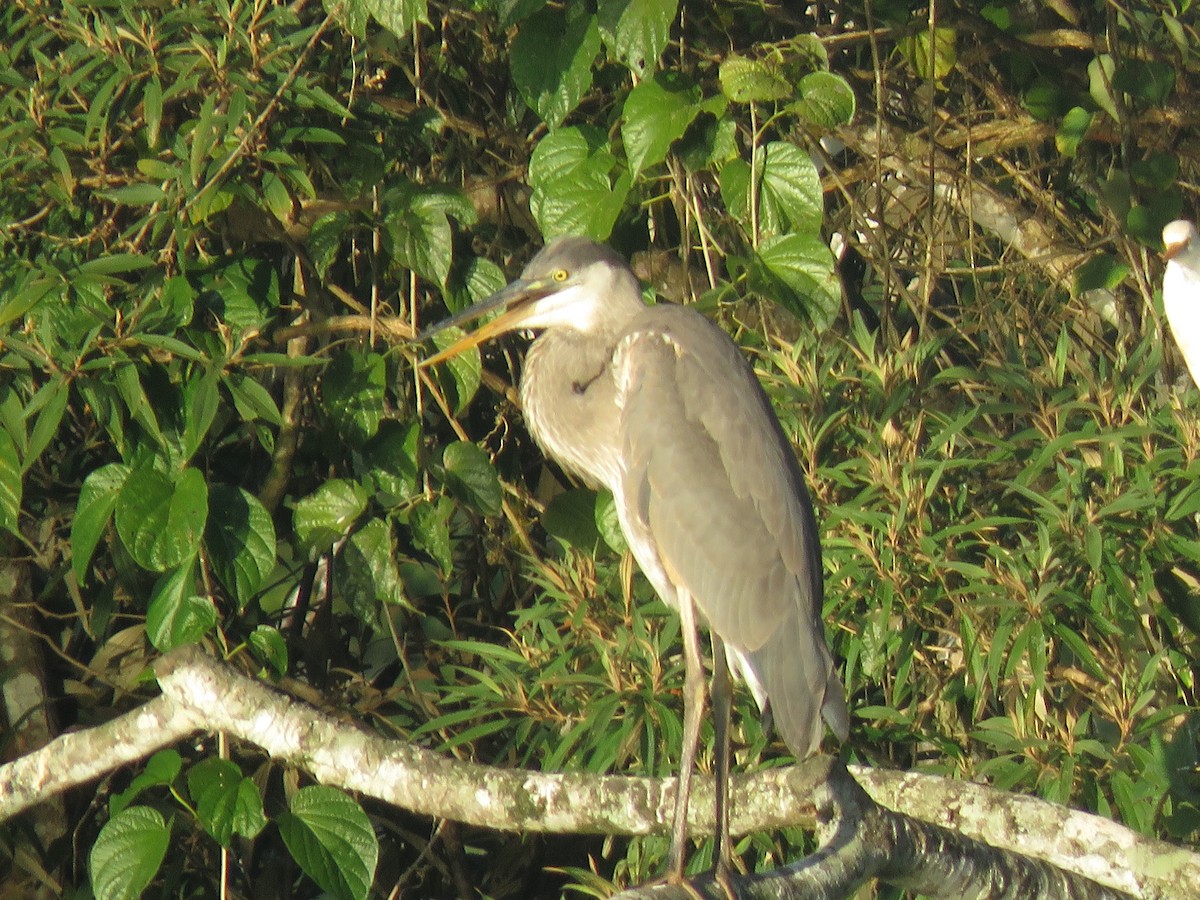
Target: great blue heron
(1181, 290)
(658, 405)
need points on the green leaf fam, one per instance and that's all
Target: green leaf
(161, 520)
(826, 100)
(571, 517)
(932, 57)
(789, 190)
(608, 522)
(419, 231)
(752, 80)
(551, 60)
(398, 16)
(656, 114)
(430, 525)
(226, 802)
(465, 368)
(11, 484)
(390, 460)
(1102, 271)
(252, 400)
(324, 516)
(49, 404)
(152, 108)
(1073, 131)
(331, 839)
(128, 853)
(175, 616)
(636, 31)
(16, 304)
(135, 195)
(573, 191)
(201, 400)
(472, 478)
(97, 500)
(352, 394)
(1100, 86)
(368, 575)
(240, 539)
(803, 277)
(160, 770)
(271, 646)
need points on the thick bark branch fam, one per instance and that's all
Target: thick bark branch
(862, 839)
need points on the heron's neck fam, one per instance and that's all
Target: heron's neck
(569, 399)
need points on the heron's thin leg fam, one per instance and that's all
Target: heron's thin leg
(722, 702)
(693, 710)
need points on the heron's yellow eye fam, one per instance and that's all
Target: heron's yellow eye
(560, 275)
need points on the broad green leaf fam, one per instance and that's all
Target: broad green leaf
(753, 80)
(352, 394)
(656, 114)
(932, 58)
(826, 100)
(128, 853)
(397, 16)
(323, 517)
(803, 267)
(331, 839)
(472, 478)
(1073, 131)
(465, 370)
(573, 189)
(390, 460)
(160, 770)
(368, 575)
(176, 616)
(608, 522)
(551, 60)
(430, 525)
(1100, 85)
(240, 539)
(159, 519)
(636, 31)
(227, 803)
(571, 517)
(97, 500)
(417, 225)
(789, 190)
(11, 485)
(272, 647)
(1102, 271)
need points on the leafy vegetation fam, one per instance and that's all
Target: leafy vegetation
(221, 220)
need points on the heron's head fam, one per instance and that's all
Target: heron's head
(573, 282)
(1180, 241)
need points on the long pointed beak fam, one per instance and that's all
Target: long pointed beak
(515, 303)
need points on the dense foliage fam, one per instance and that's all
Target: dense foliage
(221, 220)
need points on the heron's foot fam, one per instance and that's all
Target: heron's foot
(724, 877)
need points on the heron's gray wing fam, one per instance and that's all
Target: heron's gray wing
(712, 485)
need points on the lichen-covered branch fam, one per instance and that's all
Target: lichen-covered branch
(861, 839)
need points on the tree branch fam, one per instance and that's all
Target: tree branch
(861, 838)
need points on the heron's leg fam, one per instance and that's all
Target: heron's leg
(722, 702)
(693, 709)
